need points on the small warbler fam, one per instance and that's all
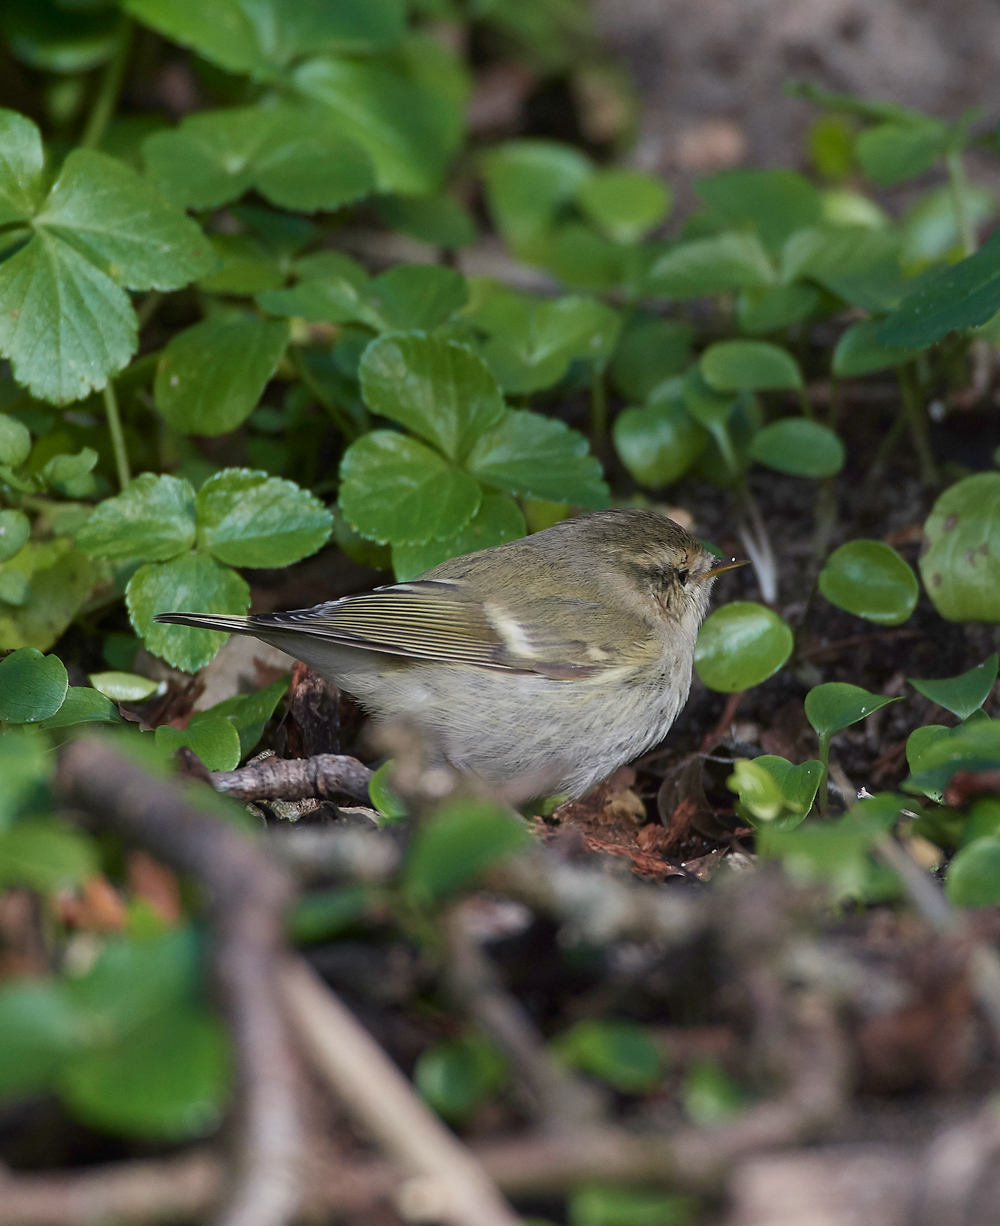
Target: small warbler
(555, 658)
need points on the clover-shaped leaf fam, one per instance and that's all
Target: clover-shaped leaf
(247, 518)
(152, 518)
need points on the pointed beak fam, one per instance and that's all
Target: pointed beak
(732, 564)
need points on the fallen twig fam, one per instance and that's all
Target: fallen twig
(445, 1181)
(248, 894)
(326, 776)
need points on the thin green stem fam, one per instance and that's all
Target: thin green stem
(916, 416)
(833, 415)
(107, 94)
(148, 306)
(960, 200)
(807, 409)
(343, 423)
(598, 412)
(823, 792)
(117, 435)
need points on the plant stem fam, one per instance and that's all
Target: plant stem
(960, 200)
(117, 435)
(807, 409)
(148, 306)
(753, 534)
(916, 417)
(107, 94)
(834, 407)
(598, 413)
(822, 793)
(343, 423)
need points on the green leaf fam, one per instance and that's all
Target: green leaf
(461, 841)
(14, 588)
(930, 228)
(715, 265)
(963, 295)
(83, 705)
(714, 411)
(835, 705)
(193, 582)
(295, 158)
(891, 152)
(497, 521)
(624, 204)
(38, 1027)
(59, 580)
(250, 519)
(859, 351)
(211, 376)
(382, 796)
(438, 220)
(658, 443)
(15, 441)
(401, 124)
(741, 645)
(734, 366)
(25, 765)
(650, 352)
(963, 694)
(214, 740)
(539, 457)
(973, 746)
(973, 876)
(61, 38)
(22, 160)
(961, 568)
(799, 447)
(919, 742)
(437, 388)
(775, 307)
(71, 474)
(393, 488)
(32, 686)
(857, 263)
(611, 1205)
(166, 1081)
(623, 1054)
(123, 687)
(775, 202)
(247, 266)
(15, 528)
(248, 713)
(584, 260)
(415, 296)
(870, 579)
(528, 183)
(456, 1076)
(152, 518)
(774, 791)
(45, 856)
(710, 1095)
(324, 914)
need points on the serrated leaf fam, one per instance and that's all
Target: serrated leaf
(393, 488)
(497, 521)
(539, 457)
(32, 686)
(414, 296)
(963, 694)
(59, 578)
(729, 261)
(961, 567)
(294, 158)
(152, 518)
(22, 159)
(211, 376)
(741, 645)
(799, 447)
(870, 579)
(193, 582)
(439, 389)
(247, 518)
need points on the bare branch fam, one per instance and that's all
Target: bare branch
(325, 777)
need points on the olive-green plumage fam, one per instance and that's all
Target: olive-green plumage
(545, 663)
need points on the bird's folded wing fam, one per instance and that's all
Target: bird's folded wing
(442, 621)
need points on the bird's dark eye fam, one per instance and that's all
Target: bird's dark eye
(682, 577)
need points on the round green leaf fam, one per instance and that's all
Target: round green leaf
(15, 441)
(32, 686)
(622, 1053)
(196, 583)
(167, 1080)
(735, 366)
(123, 687)
(15, 528)
(773, 790)
(83, 705)
(455, 1077)
(973, 876)
(14, 588)
(961, 568)
(415, 296)
(835, 705)
(963, 694)
(250, 519)
(658, 443)
(741, 645)
(437, 388)
(859, 352)
(713, 265)
(215, 741)
(624, 204)
(528, 182)
(918, 744)
(539, 457)
(497, 521)
(870, 579)
(153, 518)
(799, 447)
(393, 488)
(648, 353)
(773, 307)
(211, 376)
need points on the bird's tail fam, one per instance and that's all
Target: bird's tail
(209, 621)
